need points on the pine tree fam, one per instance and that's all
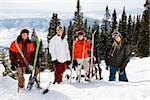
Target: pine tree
(114, 21)
(123, 21)
(106, 24)
(54, 22)
(129, 29)
(133, 26)
(143, 46)
(96, 37)
(136, 32)
(33, 37)
(85, 26)
(88, 33)
(70, 35)
(78, 19)
(105, 39)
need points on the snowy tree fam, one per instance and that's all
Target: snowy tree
(123, 21)
(106, 23)
(114, 21)
(136, 32)
(70, 38)
(105, 38)
(78, 23)
(54, 22)
(129, 29)
(143, 46)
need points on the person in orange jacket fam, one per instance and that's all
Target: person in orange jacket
(81, 47)
(17, 62)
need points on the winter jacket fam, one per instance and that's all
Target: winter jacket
(120, 57)
(26, 47)
(80, 47)
(59, 49)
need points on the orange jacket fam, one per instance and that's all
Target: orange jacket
(81, 46)
(26, 47)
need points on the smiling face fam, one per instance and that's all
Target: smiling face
(24, 36)
(117, 38)
(60, 31)
(80, 37)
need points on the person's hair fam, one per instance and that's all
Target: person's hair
(58, 28)
(24, 31)
(116, 46)
(19, 39)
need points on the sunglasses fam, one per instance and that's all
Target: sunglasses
(115, 34)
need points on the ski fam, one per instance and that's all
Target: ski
(92, 49)
(33, 78)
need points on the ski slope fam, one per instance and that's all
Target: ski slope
(138, 87)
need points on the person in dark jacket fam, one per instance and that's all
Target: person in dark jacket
(118, 57)
(17, 61)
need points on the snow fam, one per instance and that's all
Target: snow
(136, 89)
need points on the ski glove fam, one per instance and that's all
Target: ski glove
(75, 62)
(14, 66)
(55, 62)
(68, 62)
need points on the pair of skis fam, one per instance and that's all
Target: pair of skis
(92, 57)
(33, 77)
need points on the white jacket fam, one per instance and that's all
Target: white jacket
(59, 49)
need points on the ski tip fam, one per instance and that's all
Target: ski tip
(45, 91)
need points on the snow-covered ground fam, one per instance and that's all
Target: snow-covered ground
(138, 87)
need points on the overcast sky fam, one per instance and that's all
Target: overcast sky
(44, 8)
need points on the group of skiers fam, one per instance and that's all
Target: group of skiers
(117, 60)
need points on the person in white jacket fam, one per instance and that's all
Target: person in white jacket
(59, 50)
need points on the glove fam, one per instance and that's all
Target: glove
(55, 62)
(107, 67)
(68, 62)
(120, 71)
(75, 62)
(14, 66)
